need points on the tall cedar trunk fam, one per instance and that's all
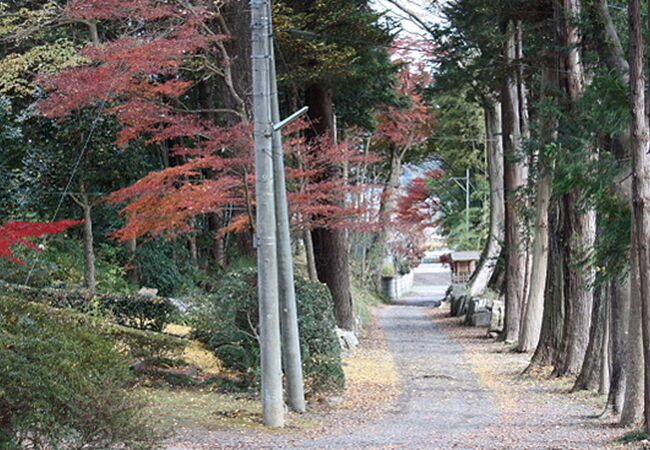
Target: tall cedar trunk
(589, 377)
(233, 91)
(215, 222)
(579, 233)
(632, 411)
(552, 333)
(534, 311)
(606, 349)
(619, 326)
(492, 248)
(330, 245)
(640, 132)
(579, 224)
(524, 124)
(513, 182)
(532, 323)
(611, 50)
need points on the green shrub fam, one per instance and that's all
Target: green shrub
(62, 385)
(144, 312)
(228, 323)
(165, 265)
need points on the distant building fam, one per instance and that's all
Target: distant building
(463, 265)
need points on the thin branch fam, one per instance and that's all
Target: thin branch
(413, 15)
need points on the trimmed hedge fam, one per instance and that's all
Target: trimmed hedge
(144, 312)
(228, 322)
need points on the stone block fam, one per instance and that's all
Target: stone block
(498, 316)
(480, 318)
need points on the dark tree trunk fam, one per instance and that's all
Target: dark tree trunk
(640, 131)
(132, 271)
(90, 272)
(90, 277)
(534, 311)
(332, 263)
(310, 256)
(330, 245)
(235, 88)
(6, 421)
(590, 373)
(620, 313)
(578, 292)
(632, 411)
(514, 181)
(611, 51)
(497, 281)
(553, 320)
(579, 223)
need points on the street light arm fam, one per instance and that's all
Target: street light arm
(291, 119)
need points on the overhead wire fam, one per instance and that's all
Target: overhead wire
(66, 191)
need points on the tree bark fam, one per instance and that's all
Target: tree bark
(524, 122)
(534, 311)
(552, 332)
(640, 131)
(330, 245)
(611, 50)
(632, 410)
(90, 272)
(513, 182)
(580, 226)
(590, 373)
(309, 254)
(579, 232)
(620, 313)
(605, 360)
(492, 249)
(235, 90)
(611, 47)
(132, 271)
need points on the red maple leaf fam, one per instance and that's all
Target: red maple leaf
(20, 233)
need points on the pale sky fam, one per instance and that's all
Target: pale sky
(417, 6)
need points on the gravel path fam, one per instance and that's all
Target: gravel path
(460, 390)
(443, 401)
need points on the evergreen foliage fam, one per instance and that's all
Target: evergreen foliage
(63, 386)
(227, 321)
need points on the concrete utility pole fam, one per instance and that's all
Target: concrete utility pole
(271, 364)
(288, 308)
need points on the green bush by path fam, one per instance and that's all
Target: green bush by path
(228, 323)
(144, 312)
(63, 386)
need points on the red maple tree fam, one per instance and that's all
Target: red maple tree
(410, 126)
(21, 233)
(417, 213)
(143, 79)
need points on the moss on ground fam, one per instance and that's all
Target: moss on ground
(209, 410)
